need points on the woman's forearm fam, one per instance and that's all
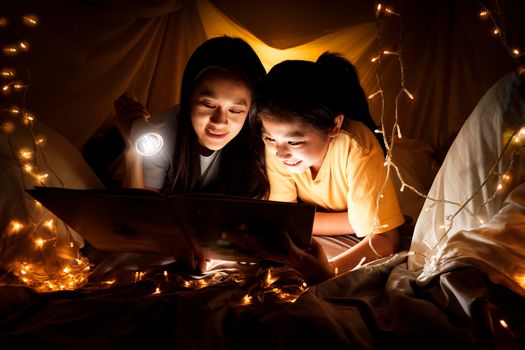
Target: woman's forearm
(133, 173)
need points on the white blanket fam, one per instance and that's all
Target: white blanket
(489, 232)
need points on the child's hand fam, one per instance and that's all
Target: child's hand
(127, 110)
(311, 262)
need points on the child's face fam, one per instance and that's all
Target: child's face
(298, 146)
(219, 106)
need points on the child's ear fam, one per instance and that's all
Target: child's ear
(338, 122)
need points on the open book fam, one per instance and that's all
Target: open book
(140, 220)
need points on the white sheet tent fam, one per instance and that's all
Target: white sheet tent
(84, 54)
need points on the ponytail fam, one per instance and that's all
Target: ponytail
(350, 95)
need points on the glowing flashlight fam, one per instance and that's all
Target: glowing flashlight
(147, 139)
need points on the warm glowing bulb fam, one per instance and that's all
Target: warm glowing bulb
(10, 50)
(378, 9)
(23, 45)
(388, 52)
(39, 242)
(30, 20)
(495, 31)
(8, 127)
(515, 52)
(14, 110)
(408, 94)
(483, 14)
(25, 153)
(42, 177)
(28, 118)
(503, 324)
(40, 141)
(50, 224)
(390, 11)
(16, 226)
(7, 73)
(375, 94)
(18, 85)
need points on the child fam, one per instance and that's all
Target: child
(301, 109)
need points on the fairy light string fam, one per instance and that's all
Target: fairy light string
(502, 177)
(389, 138)
(499, 30)
(49, 261)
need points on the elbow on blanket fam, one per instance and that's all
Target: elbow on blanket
(385, 243)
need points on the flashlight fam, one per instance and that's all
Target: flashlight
(146, 138)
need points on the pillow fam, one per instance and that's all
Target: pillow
(34, 245)
(469, 161)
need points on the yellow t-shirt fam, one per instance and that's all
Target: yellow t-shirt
(350, 179)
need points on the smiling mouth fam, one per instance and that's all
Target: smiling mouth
(215, 133)
(292, 164)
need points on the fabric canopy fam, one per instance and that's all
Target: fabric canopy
(84, 54)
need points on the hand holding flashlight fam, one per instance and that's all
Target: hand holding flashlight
(127, 110)
(132, 120)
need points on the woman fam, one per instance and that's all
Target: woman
(208, 144)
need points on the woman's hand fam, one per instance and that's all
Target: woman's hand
(192, 259)
(127, 110)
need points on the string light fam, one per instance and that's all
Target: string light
(499, 31)
(396, 130)
(504, 178)
(57, 264)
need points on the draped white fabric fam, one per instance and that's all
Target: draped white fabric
(85, 54)
(489, 231)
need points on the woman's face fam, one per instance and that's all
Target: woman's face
(219, 107)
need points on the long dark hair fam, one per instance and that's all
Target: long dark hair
(314, 93)
(241, 168)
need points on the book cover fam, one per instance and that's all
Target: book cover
(144, 221)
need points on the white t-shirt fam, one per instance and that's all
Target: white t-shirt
(159, 167)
